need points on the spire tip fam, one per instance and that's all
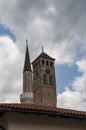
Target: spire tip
(42, 49)
(26, 42)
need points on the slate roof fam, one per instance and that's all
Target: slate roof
(42, 109)
(27, 64)
(45, 56)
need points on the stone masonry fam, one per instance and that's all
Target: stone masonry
(39, 86)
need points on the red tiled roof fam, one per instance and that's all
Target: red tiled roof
(42, 109)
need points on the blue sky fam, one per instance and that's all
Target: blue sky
(57, 25)
(65, 75)
(6, 31)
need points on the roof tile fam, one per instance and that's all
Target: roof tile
(42, 108)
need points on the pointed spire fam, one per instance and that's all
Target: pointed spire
(42, 49)
(26, 42)
(27, 65)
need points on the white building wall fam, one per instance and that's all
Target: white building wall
(24, 121)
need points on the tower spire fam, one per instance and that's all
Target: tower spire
(27, 96)
(27, 65)
(42, 49)
(26, 42)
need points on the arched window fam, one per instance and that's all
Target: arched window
(51, 80)
(45, 79)
(47, 62)
(43, 62)
(51, 64)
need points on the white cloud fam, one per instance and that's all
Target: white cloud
(72, 100)
(79, 83)
(82, 65)
(67, 98)
(59, 26)
(10, 72)
(28, 19)
(76, 98)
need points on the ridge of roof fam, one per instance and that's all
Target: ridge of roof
(45, 56)
(54, 110)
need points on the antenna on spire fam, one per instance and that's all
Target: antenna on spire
(26, 42)
(42, 49)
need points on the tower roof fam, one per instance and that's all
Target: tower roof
(45, 56)
(27, 65)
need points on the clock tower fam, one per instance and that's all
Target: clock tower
(44, 84)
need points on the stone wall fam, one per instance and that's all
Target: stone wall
(44, 94)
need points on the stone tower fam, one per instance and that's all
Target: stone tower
(27, 95)
(44, 84)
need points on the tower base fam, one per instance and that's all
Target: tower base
(26, 98)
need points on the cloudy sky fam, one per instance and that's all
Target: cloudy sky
(58, 25)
